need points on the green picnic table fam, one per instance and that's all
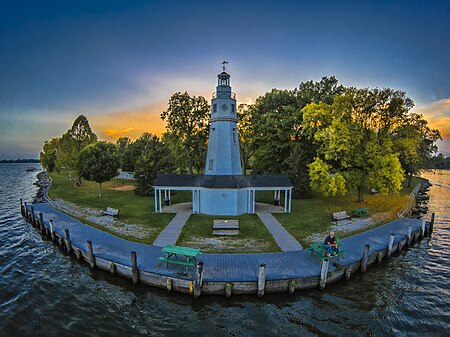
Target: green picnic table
(173, 254)
(320, 250)
(360, 212)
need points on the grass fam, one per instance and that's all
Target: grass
(252, 238)
(133, 209)
(313, 215)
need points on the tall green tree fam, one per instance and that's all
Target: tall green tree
(155, 158)
(122, 145)
(187, 119)
(354, 136)
(49, 154)
(99, 162)
(72, 142)
(245, 132)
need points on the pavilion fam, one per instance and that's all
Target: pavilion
(223, 190)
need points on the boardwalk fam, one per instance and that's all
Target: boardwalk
(282, 237)
(170, 234)
(223, 267)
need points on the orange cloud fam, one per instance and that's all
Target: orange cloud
(438, 116)
(129, 123)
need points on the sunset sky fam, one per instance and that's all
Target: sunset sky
(118, 62)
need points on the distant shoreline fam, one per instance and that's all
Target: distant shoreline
(19, 161)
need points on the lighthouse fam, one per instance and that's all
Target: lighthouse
(223, 189)
(223, 156)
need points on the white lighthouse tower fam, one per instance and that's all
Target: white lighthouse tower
(223, 156)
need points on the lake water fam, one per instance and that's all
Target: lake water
(46, 293)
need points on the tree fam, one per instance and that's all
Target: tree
(49, 154)
(155, 158)
(99, 162)
(354, 136)
(72, 142)
(245, 132)
(122, 145)
(187, 119)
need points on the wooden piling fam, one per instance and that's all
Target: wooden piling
(228, 289)
(323, 274)
(198, 280)
(291, 286)
(33, 219)
(261, 280)
(390, 246)
(169, 285)
(21, 208)
(422, 227)
(41, 223)
(399, 246)
(112, 268)
(91, 256)
(348, 273)
(52, 231)
(77, 253)
(67, 239)
(431, 226)
(365, 258)
(25, 206)
(134, 269)
(409, 236)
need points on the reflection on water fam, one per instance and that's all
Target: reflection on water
(46, 293)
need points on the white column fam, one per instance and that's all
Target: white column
(156, 200)
(198, 201)
(254, 200)
(285, 200)
(169, 196)
(160, 206)
(193, 201)
(290, 203)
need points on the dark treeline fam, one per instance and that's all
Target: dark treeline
(12, 161)
(323, 135)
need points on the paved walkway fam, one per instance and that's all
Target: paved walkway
(283, 239)
(170, 234)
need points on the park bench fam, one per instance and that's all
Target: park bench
(361, 212)
(320, 250)
(225, 227)
(340, 216)
(173, 254)
(111, 212)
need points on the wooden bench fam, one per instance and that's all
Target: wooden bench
(361, 212)
(320, 250)
(340, 216)
(111, 212)
(173, 252)
(225, 227)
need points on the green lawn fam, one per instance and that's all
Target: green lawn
(133, 209)
(253, 236)
(313, 215)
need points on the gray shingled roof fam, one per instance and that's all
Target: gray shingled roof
(213, 181)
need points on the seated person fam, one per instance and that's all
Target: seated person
(331, 245)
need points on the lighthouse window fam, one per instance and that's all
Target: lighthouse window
(210, 164)
(234, 137)
(232, 108)
(214, 107)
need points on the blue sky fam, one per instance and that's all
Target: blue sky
(118, 62)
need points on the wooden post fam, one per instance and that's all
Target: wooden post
(291, 286)
(390, 246)
(90, 254)
(323, 274)
(21, 208)
(422, 228)
(25, 206)
(41, 223)
(379, 257)
(134, 269)
(365, 258)
(348, 273)
(33, 220)
(409, 236)
(261, 280)
(67, 238)
(431, 226)
(169, 284)
(77, 253)
(112, 268)
(198, 280)
(228, 289)
(399, 246)
(52, 232)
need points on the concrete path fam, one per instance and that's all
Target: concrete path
(170, 234)
(283, 239)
